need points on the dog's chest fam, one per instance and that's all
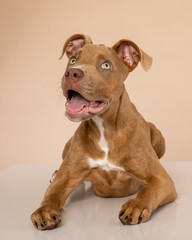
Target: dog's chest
(105, 162)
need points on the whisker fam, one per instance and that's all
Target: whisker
(58, 88)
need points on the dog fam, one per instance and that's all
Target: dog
(114, 147)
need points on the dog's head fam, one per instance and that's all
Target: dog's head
(95, 74)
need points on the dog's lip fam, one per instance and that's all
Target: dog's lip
(67, 95)
(78, 106)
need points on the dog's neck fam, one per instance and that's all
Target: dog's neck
(117, 116)
(120, 107)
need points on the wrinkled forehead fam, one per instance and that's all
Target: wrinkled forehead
(93, 52)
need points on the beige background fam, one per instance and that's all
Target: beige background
(33, 128)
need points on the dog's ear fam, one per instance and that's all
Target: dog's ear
(74, 43)
(131, 54)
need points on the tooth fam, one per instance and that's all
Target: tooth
(101, 105)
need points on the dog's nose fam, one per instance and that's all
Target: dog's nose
(74, 74)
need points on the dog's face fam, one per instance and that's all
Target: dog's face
(92, 81)
(95, 74)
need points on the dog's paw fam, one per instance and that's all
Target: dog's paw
(53, 176)
(45, 218)
(134, 211)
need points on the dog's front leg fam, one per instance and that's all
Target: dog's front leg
(159, 190)
(71, 173)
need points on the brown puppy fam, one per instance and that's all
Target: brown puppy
(114, 147)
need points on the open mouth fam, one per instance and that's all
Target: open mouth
(78, 106)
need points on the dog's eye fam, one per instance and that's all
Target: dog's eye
(106, 66)
(73, 61)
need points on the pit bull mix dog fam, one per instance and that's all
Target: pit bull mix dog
(114, 147)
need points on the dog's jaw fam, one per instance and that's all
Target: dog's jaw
(79, 108)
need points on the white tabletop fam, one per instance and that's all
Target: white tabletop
(86, 216)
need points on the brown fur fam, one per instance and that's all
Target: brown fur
(134, 144)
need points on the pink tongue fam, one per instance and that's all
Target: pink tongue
(77, 103)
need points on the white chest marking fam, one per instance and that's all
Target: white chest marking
(102, 163)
